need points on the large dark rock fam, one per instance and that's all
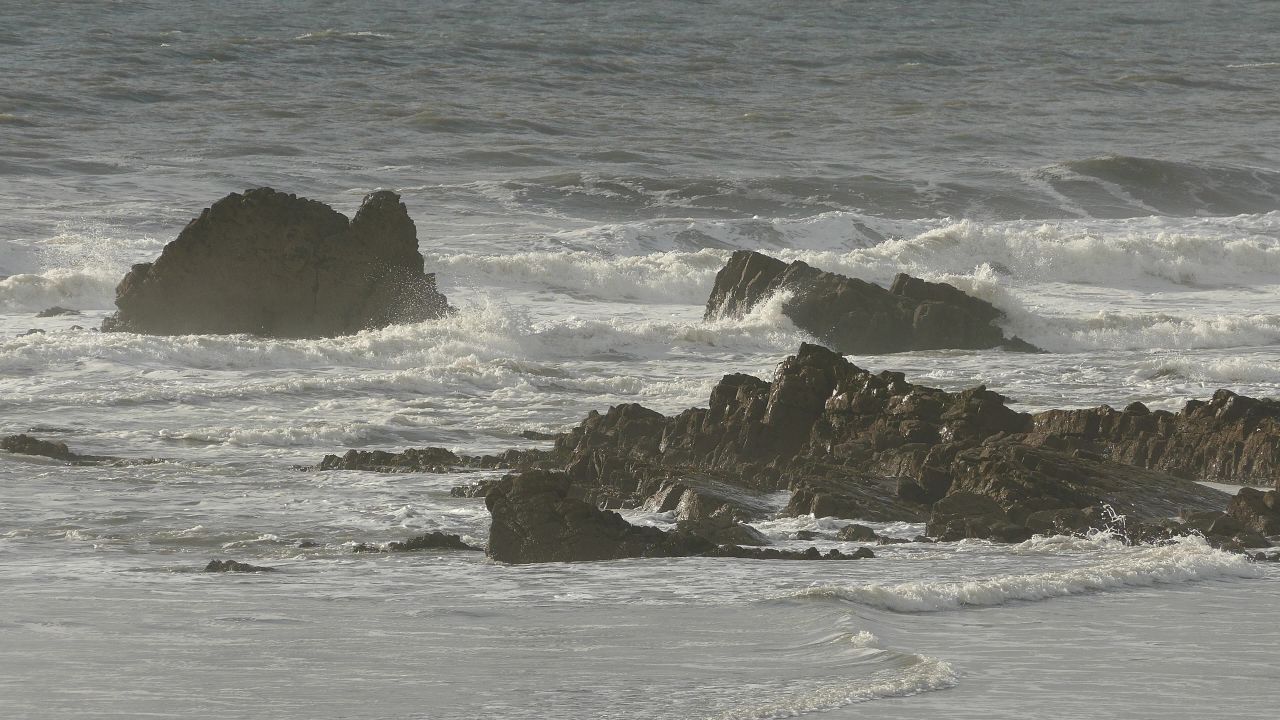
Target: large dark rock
(536, 520)
(854, 316)
(964, 515)
(269, 263)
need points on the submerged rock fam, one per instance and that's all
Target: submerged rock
(269, 263)
(430, 541)
(854, 316)
(219, 566)
(22, 444)
(55, 311)
(431, 459)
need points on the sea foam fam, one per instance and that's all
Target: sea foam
(1186, 560)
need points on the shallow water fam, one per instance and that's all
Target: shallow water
(578, 173)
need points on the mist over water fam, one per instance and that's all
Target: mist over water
(578, 173)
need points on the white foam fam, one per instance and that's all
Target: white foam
(30, 292)
(659, 278)
(1186, 560)
(914, 674)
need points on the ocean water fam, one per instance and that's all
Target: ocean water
(578, 172)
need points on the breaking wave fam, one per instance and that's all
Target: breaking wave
(1186, 560)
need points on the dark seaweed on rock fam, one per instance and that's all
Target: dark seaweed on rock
(858, 317)
(269, 263)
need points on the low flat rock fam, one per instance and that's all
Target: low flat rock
(269, 263)
(225, 566)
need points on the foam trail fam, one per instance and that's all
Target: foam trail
(1187, 560)
(916, 674)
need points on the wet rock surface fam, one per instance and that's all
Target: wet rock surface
(1230, 438)
(846, 442)
(536, 518)
(23, 444)
(854, 316)
(415, 460)
(268, 263)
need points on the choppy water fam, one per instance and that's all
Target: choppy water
(578, 173)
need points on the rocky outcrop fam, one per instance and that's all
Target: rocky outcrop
(430, 459)
(536, 518)
(1230, 438)
(858, 317)
(872, 446)
(269, 263)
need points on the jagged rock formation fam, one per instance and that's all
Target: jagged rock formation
(425, 460)
(269, 263)
(855, 444)
(854, 316)
(863, 445)
(1230, 439)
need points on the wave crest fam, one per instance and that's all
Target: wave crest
(1186, 560)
